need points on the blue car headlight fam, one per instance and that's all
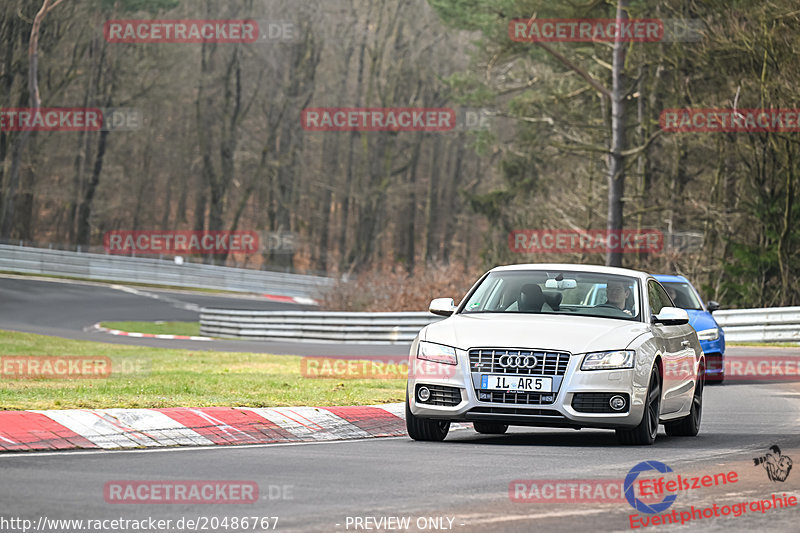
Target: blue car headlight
(438, 353)
(608, 360)
(711, 334)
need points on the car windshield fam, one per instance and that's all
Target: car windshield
(564, 293)
(683, 295)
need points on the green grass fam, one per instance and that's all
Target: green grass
(158, 328)
(156, 377)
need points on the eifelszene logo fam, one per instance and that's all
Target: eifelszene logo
(777, 465)
(638, 504)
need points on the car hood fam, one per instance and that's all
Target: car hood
(701, 320)
(574, 334)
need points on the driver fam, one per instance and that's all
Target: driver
(617, 294)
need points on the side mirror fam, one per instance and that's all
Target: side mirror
(671, 316)
(712, 306)
(442, 306)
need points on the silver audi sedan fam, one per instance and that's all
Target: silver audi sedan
(558, 345)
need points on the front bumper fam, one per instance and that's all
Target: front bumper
(458, 396)
(715, 358)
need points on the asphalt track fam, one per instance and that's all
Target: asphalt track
(68, 309)
(466, 478)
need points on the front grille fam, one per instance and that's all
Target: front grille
(442, 395)
(547, 363)
(528, 398)
(486, 360)
(597, 402)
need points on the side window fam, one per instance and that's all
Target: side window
(654, 293)
(666, 301)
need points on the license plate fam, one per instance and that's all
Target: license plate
(516, 383)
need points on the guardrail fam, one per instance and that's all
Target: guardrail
(740, 325)
(771, 324)
(157, 271)
(399, 327)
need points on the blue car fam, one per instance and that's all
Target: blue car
(712, 338)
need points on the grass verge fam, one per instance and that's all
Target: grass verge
(157, 328)
(155, 377)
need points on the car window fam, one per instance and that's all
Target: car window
(654, 294)
(683, 295)
(653, 298)
(543, 292)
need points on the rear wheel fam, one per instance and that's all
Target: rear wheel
(689, 425)
(490, 428)
(425, 428)
(646, 431)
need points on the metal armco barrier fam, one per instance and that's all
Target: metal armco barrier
(157, 271)
(772, 324)
(314, 325)
(740, 325)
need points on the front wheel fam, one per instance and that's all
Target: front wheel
(646, 431)
(425, 428)
(689, 425)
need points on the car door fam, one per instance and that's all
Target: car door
(678, 358)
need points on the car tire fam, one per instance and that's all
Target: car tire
(426, 429)
(689, 425)
(645, 433)
(490, 428)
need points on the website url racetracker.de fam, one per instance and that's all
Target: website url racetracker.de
(193, 523)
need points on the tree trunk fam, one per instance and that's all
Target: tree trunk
(9, 201)
(616, 161)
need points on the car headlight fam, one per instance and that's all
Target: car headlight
(708, 334)
(438, 353)
(608, 360)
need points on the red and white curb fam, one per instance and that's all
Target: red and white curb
(290, 299)
(98, 327)
(181, 426)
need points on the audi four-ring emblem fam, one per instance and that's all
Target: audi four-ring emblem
(518, 361)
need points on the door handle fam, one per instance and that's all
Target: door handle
(685, 344)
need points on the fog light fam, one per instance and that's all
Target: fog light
(617, 403)
(423, 394)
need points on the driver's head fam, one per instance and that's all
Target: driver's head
(616, 293)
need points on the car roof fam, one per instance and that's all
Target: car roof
(575, 268)
(669, 278)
